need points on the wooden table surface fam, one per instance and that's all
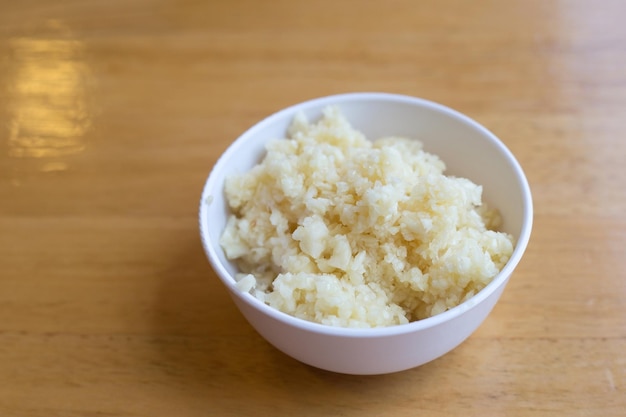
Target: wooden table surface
(113, 112)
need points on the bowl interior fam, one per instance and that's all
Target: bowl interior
(468, 150)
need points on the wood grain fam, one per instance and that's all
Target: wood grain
(113, 112)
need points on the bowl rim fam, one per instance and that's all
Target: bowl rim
(498, 281)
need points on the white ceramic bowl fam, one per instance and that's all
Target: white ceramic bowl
(468, 149)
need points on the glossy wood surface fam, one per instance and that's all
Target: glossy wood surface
(112, 113)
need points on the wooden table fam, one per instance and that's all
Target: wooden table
(113, 112)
